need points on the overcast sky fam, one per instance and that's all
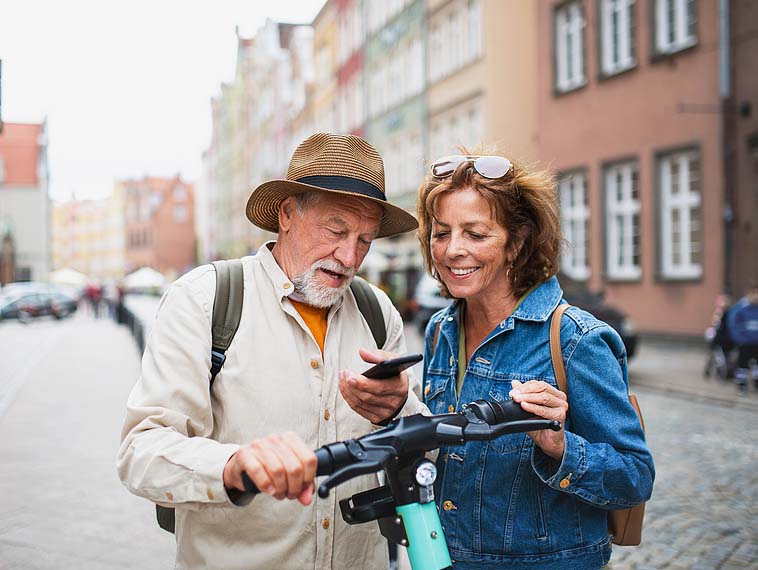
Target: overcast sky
(125, 86)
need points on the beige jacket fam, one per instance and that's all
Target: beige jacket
(178, 435)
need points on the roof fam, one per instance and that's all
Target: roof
(20, 150)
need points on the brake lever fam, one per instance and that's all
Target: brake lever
(484, 431)
(364, 467)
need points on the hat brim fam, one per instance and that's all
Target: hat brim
(263, 207)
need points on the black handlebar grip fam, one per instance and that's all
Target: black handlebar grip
(509, 411)
(250, 487)
(325, 464)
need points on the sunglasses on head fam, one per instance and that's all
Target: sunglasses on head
(487, 166)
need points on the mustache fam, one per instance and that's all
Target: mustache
(334, 267)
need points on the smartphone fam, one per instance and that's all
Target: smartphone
(392, 367)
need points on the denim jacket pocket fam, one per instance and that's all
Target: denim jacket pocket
(434, 392)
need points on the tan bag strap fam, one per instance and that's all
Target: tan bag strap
(556, 353)
(436, 336)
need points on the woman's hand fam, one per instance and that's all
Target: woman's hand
(543, 400)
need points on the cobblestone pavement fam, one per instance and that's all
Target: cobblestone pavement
(63, 386)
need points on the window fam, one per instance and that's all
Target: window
(622, 221)
(617, 35)
(675, 25)
(180, 214)
(575, 215)
(569, 47)
(680, 232)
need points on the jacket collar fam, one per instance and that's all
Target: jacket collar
(541, 302)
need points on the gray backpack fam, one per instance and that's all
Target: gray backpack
(227, 310)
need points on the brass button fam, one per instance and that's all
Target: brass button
(565, 482)
(170, 496)
(314, 363)
(451, 408)
(325, 523)
(452, 361)
(428, 389)
(210, 494)
(287, 285)
(327, 415)
(449, 506)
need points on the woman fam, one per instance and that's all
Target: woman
(490, 234)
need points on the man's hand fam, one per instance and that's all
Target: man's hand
(280, 465)
(375, 400)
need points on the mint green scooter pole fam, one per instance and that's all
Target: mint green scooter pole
(427, 548)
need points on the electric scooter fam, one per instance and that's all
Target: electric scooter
(404, 507)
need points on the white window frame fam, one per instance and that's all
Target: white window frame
(672, 36)
(622, 221)
(680, 196)
(575, 216)
(617, 35)
(569, 47)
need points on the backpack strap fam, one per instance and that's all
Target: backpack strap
(369, 307)
(556, 353)
(227, 310)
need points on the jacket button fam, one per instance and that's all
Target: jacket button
(314, 363)
(286, 285)
(327, 415)
(452, 361)
(325, 523)
(451, 408)
(565, 482)
(427, 389)
(449, 506)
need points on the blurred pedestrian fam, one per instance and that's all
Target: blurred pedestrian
(93, 294)
(277, 396)
(490, 234)
(742, 322)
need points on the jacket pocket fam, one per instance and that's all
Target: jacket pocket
(435, 388)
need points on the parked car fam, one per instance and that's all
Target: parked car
(25, 306)
(428, 300)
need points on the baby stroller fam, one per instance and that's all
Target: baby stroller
(722, 353)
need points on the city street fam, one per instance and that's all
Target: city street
(63, 386)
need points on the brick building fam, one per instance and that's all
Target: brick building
(159, 226)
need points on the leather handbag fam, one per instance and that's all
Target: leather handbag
(625, 525)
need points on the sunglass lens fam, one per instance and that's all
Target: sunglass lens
(446, 166)
(492, 166)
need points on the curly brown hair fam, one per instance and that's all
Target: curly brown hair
(525, 204)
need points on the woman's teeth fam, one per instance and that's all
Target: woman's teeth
(455, 271)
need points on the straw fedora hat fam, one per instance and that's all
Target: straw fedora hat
(338, 164)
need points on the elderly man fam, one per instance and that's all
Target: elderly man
(291, 381)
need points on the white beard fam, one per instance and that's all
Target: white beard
(316, 293)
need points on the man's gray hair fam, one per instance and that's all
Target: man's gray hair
(305, 200)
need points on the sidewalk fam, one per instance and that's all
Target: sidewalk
(676, 368)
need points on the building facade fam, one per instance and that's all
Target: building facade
(740, 113)
(24, 203)
(159, 227)
(88, 236)
(622, 89)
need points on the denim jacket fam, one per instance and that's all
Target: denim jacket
(505, 503)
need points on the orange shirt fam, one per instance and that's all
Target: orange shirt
(315, 318)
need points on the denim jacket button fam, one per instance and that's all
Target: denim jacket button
(565, 482)
(449, 506)
(427, 388)
(451, 408)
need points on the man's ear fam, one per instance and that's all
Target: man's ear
(286, 212)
